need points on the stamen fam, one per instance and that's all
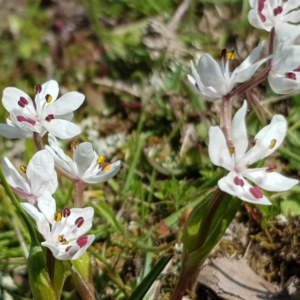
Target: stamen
(61, 238)
(228, 55)
(100, 160)
(48, 98)
(231, 150)
(37, 88)
(49, 117)
(23, 119)
(23, 169)
(8, 116)
(278, 10)
(106, 166)
(291, 75)
(68, 248)
(272, 144)
(253, 143)
(74, 145)
(66, 212)
(238, 181)
(57, 216)
(256, 192)
(79, 222)
(271, 168)
(82, 241)
(22, 102)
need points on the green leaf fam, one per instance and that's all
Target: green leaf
(290, 207)
(145, 284)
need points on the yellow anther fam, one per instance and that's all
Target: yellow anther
(74, 145)
(61, 238)
(106, 167)
(57, 216)
(100, 159)
(231, 150)
(23, 169)
(272, 144)
(253, 143)
(48, 98)
(230, 55)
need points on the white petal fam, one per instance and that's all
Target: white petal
(218, 150)
(256, 22)
(13, 132)
(239, 132)
(13, 177)
(103, 176)
(210, 74)
(285, 31)
(56, 251)
(267, 140)
(41, 173)
(41, 222)
(82, 250)
(83, 156)
(62, 129)
(288, 60)
(11, 96)
(49, 88)
(87, 214)
(66, 104)
(270, 181)
(227, 185)
(47, 206)
(283, 85)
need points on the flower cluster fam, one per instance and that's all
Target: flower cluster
(64, 232)
(228, 144)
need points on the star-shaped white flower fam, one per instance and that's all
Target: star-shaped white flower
(280, 14)
(64, 232)
(40, 177)
(284, 76)
(213, 81)
(238, 159)
(86, 164)
(45, 113)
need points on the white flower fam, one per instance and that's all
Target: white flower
(280, 14)
(238, 159)
(86, 164)
(40, 177)
(45, 113)
(213, 81)
(64, 232)
(284, 76)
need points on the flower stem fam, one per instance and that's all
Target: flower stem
(78, 197)
(242, 89)
(190, 267)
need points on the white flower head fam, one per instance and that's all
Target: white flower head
(45, 113)
(213, 81)
(280, 14)
(284, 76)
(64, 232)
(40, 177)
(238, 159)
(86, 164)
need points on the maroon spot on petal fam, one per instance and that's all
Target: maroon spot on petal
(278, 10)
(261, 5)
(22, 102)
(256, 192)
(79, 222)
(262, 17)
(238, 181)
(24, 119)
(105, 166)
(271, 168)
(291, 75)
(38, 88)
(66, 212)
(82, 241)
(68, 248)
(297, 69)
(49, 117)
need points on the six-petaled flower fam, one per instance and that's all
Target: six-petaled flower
(238, 159)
